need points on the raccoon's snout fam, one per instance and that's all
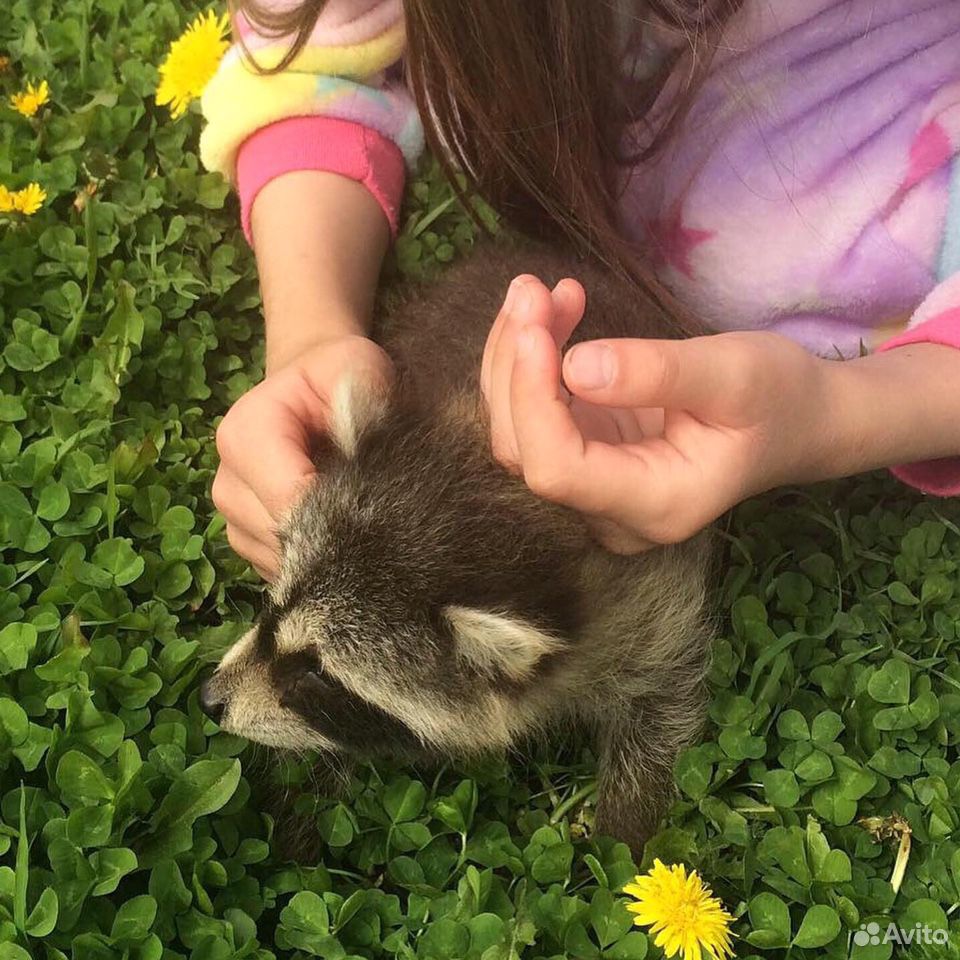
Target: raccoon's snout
(211, 703)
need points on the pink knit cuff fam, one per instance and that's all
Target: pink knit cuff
(938, 477)
(320, 143)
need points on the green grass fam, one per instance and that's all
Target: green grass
(131, 828)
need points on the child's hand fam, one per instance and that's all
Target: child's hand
(659, 437)
(265, 440)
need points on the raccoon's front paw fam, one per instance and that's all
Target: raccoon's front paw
(294, 808)
(631, 819)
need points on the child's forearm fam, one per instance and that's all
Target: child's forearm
(891, 408)
(320, 240)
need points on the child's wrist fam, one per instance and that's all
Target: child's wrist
(826, 442)
(887, 409)
(842, 433)
(299, 335)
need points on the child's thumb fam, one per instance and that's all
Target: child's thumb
(673, 374)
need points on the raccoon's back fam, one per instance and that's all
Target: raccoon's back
(436, 332)
(479, 525)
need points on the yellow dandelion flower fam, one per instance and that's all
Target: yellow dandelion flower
(682, 912)
(29, 101)
(192, 61)
(4, 64)
(30, 199)
(7, 204)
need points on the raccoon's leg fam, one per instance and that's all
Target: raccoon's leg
(638, 746)
(295, 835)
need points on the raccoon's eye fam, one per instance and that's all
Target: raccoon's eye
(307, 683)
(288, 668)
(310, 678)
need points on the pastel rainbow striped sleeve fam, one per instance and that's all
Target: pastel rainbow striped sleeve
(343, 89)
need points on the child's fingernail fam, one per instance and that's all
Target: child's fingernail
(525, 343)
(515, 294)
(591, 365)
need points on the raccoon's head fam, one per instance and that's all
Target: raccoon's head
(423, 599)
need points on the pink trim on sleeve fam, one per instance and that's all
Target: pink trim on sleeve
(944, 329)
(320, 143)
(938, 477)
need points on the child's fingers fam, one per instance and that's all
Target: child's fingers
(569, 303)
(629, 488)
(532, 305)
(568, 300)
(266, 446)
(242, 508)
(529, 303)
(515, 295)
(253, 551)
(546, 433)
(551, 447)
(265, 438)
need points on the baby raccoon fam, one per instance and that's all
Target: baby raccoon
(429, 603)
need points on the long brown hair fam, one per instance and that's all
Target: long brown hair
(528, 99)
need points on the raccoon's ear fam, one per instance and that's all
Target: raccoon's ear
(356, 407)
(495, 642)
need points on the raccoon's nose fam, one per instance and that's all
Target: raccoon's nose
(210, 703)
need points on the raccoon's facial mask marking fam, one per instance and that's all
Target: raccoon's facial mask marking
(494, 643)
(273, 687)
(340, 715)
(242, 696)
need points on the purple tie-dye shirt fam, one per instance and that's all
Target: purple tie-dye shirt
(815, 187)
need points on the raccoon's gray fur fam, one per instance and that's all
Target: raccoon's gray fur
(429, 603)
